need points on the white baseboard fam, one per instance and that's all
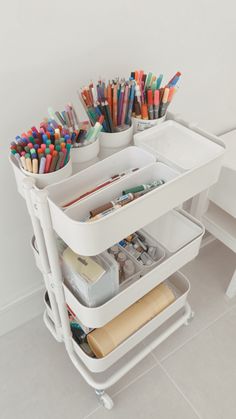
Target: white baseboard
(21, 310)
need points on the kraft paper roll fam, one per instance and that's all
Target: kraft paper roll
(105, 339)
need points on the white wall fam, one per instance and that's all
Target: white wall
(50, 48)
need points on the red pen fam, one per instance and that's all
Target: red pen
(150, 103)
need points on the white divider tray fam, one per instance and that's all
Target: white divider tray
(180, 285)
(80, 183)
(98, 316)
(93, 237)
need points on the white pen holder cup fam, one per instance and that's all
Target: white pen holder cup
(111, 142)
(85, 153)
(42, 180)
(142, 124)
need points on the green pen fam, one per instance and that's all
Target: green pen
(68, 147)
(58, 148)
(32, 139)
(146, 187)
(89, 133)
(148, 80)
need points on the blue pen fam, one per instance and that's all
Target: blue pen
(174, 81)
(131, 101)
(45, 138)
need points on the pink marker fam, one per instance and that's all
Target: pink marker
(43, 147)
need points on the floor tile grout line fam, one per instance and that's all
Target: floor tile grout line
(197, 333)
(178, 389)
(136, 379)
(127, 385)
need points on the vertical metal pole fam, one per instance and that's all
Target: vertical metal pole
(199, 204)
(49, 236)
(28, 185)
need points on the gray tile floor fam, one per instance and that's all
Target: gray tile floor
(191, 375)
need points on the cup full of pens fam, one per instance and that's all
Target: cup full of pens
(42, 153)
(114, 101)
(151, 100)
(85, 144)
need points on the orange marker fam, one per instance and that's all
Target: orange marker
(144, 111)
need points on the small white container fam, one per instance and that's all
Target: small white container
(181, 287)
(42, 180)
(85, 153)
(180, 147)
(173, 230)
(98, 316)
(111, 142)
(142, 124)
(90, 293)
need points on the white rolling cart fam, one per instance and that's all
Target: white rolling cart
(188, 160)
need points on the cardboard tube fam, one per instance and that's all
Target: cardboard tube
(103, 340)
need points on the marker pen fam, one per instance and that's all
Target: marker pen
(59, 161)
(144, 187)
(150, 104)
(48, 162)
(35, 165)
(164, 104)
(121, 200)
(137, 108)
(23, 162)
(156, 103)
(29, 164)
(68, 147)
(103, 214)
(42, 165)
(53, 164)
(144, 111)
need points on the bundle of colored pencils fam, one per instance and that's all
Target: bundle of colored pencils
(151, 100)
(48, 149)
(113, 100)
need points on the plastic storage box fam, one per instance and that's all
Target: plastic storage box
(91, 292)
(173, 230)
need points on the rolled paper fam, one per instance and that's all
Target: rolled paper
(104, 340)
